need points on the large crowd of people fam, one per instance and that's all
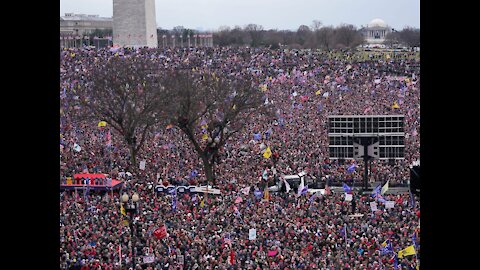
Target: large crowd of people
(212, 231)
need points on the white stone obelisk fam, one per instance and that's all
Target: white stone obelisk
(134, 23)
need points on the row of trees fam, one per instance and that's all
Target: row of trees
(315, 36)
(135, 97)
(408, 36)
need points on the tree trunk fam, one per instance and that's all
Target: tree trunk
(133, 157)
(208, 168)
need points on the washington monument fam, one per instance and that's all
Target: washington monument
(134, 23)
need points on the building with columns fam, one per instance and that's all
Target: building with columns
(81, 24)
(76, 30)
(195, 40)
(376, 31)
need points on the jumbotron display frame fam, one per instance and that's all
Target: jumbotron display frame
(388, 129)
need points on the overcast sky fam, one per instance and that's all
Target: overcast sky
(271, 14)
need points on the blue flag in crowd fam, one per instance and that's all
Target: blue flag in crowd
(412, 200)
(174, 199)
(376, 191)
(395, 262)
(387, 248)
(258, 193)
(347, 188)
(194, 199)
(227, 239)
(174, 204)
(351, 169)
(268, 133)
(312, 197)
(85, 193)
(304, 190)
(193, 174)
(380, 198)
(414, 239)
(257, 136)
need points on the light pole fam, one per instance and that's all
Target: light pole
(131, 208)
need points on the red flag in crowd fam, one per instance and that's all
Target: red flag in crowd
(160, 232)
(232, 257)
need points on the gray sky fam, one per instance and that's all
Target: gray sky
(271, 14)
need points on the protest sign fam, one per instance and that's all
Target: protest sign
(389, 204)
(160, 232)
(252, 234)
(148, 259)
(373, 206)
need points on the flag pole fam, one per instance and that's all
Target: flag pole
(76, 206)
(416, 253)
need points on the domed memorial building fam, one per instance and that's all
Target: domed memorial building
(376, 31)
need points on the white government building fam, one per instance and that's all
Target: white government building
(376, 31)
(81, 24)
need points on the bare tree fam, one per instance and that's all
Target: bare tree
(178, 30)
(125, 93)
(303, 34)
(392, 38)
(238, 36)
(348, 36)
(272, 38)
(210, 109)
(256, 33)
(410, 36)
(222, 36)
(316, 25)
(326, 37)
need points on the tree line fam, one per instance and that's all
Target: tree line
(315, 36)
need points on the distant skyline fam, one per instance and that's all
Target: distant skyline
(209, 15)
